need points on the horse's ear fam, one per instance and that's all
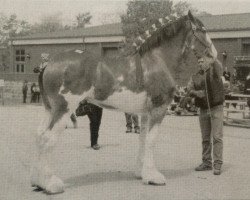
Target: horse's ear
(191, 17)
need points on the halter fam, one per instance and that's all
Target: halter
(186, 45)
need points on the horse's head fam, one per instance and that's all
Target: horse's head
(198, 40)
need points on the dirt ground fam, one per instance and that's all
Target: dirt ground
(107, 174)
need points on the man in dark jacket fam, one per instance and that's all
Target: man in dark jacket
(207, 89)
(94, 114)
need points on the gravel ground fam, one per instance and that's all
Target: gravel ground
(107, 174)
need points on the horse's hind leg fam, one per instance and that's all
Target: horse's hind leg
(150, 174)
(42, 176)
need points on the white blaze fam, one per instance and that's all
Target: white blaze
(214, 51)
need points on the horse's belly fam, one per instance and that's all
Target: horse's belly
(127, 101)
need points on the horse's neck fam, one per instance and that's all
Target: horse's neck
(173, 48)
(168, 52)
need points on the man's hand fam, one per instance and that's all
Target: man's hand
(197, 93)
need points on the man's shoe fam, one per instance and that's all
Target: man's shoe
(95, 147)
(217, 169)
(203, 167)
(137, 130)
(129, 130)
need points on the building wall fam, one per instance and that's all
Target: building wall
(233, 47)
(33, 53)
(4, 60)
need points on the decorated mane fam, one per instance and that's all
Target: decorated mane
(163, 30)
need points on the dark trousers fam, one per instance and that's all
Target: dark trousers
(212, 134)
(33, 98)
(95, 116)
(130, 119)
(24, 97)
(37, 94)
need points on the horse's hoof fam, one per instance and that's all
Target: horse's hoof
(157, 179)
(54, 186)
(37, 188)
(156, 183)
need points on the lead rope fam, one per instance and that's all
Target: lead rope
(206, 91)
(209, 108)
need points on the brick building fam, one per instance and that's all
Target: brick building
(230, 34)
(25, 52)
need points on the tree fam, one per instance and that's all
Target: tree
(11, 27)
(83, 19)
(182, 7)
(142, 14)
(49, 23)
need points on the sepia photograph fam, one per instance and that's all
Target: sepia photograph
(124, 99)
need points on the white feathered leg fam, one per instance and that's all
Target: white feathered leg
(150, 174)
(42, 176)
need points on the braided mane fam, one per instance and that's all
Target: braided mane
(162, 33)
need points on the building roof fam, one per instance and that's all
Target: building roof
(213, 23)
(226, 22)
(94, 31)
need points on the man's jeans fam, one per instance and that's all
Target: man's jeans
(212, 127)
(131, 118)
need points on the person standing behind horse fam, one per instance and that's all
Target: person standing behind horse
(227, 74)
(207, 89)
(94, 114)
(25, 90)
(132, 119)
(33, 93)
(37, 93)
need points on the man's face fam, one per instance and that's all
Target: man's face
(201, 64)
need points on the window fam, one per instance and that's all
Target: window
(110, 52)
(17, 68)
(20, 55)
(20, 61)
(22, 68)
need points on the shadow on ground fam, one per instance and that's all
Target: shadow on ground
(116, 176)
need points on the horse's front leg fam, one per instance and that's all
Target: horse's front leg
(150, 174)
(42, 176)
(142, 137)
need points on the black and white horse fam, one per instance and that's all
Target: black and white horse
(141, 83)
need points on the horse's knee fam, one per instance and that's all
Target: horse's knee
(46, 141)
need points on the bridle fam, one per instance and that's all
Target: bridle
(196, 38)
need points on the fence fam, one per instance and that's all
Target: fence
(11, 91)
(30, 77)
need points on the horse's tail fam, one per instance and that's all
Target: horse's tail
(42, 91)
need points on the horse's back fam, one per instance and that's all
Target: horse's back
(72, 69)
